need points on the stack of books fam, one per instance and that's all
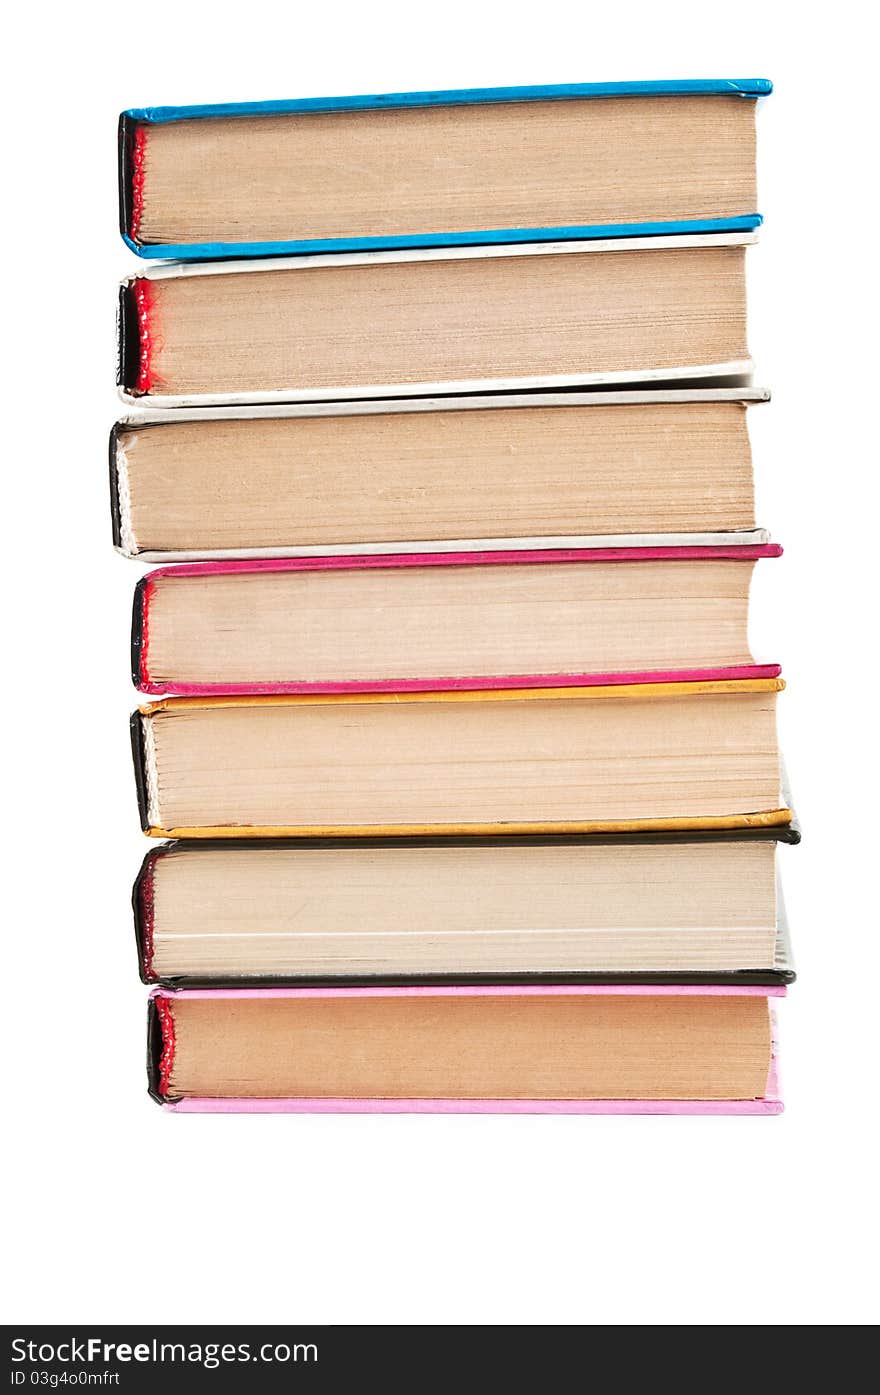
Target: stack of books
(471, 781)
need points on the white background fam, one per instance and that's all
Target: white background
(117, 1212)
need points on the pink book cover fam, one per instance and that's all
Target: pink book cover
(160, 1056)
(140, 642)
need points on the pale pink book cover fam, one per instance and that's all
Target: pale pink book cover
(770, 1103)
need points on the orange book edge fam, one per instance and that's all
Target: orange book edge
(770, 818)
(620, 690)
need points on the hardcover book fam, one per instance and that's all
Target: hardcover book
(627, 908)
(623, 758)
(447, 620)
(484, 165)
(467, 319)
(567, 1049)
(472, 778)
(521, 471)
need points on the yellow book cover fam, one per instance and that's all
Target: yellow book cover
(473, 703)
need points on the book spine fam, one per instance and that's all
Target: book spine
(142, 904)
(140, 772)
(115, 516)
(140, 632)
(125, 170)
(134, 371)
(154, 1052)
(127, 339)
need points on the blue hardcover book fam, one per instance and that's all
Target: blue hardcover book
(440, 169)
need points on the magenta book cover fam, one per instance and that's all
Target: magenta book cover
(147, 681)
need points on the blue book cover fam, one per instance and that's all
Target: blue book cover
(136, 125)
